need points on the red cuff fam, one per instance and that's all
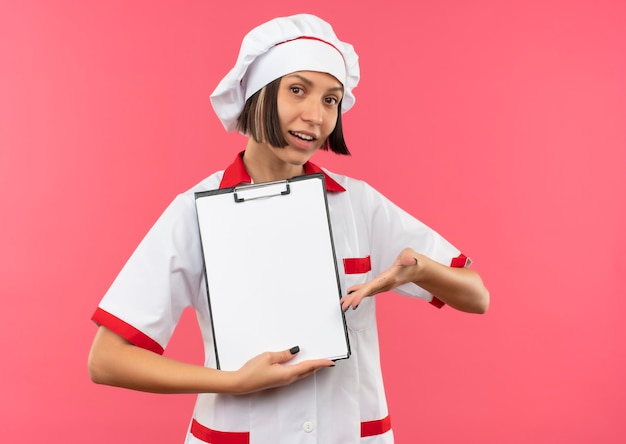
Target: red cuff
(127, 331)
(460, 261)
(437, 303)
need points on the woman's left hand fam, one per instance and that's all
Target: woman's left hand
(403, 270)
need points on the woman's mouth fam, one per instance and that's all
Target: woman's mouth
(302, 136)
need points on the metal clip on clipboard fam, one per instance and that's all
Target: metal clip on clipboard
(262, 190)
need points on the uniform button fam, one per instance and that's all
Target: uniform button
(308, 427)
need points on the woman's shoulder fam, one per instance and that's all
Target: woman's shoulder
(209, 183)
(351, 184)
(184, 202)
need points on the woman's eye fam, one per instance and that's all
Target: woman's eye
(296, 90)
(332, 100)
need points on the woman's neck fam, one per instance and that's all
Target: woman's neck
(263, 165)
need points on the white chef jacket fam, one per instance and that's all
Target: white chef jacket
(337, 405)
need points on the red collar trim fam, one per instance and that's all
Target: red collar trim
(236, 174)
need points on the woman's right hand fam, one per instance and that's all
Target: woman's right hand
(115, 361)
(270, 369)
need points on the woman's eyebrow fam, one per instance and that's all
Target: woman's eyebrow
(304, 79)
(310, 83)
(336, 88)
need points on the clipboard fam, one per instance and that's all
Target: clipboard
(271, 271)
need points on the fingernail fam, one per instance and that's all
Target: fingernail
(294, 350)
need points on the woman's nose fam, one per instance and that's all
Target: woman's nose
(313, 111)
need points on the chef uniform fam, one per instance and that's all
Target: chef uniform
(337, 405)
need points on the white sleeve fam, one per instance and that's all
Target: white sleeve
(162, 277)
(393, 229)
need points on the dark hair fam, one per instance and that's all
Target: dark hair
(259, 119)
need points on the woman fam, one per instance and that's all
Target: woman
(291, 82)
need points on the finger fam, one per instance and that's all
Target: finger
(285, 355)
(352, 299)
(347, 300)
(307, 368)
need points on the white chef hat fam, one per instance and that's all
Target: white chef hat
(281, 46)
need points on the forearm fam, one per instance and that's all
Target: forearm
(114, 361)
(460, 288)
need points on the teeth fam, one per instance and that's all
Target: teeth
(302, 136)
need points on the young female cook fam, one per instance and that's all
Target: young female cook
(291, 82)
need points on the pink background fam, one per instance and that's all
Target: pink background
(502, 124)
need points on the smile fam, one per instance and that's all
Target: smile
(302, 136)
